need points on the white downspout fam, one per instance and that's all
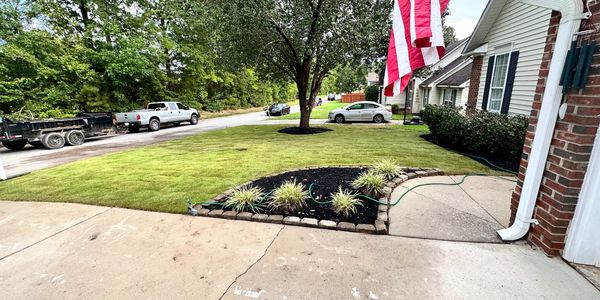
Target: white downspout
(571, 15)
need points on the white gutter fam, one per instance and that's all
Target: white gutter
(571, 15)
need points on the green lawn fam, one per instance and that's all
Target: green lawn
(162, 177)
(319, 112)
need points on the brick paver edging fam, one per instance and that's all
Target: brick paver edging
(380, 226)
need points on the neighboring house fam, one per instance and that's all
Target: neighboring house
(372, 78)
(422, 92)
(400, 99)
(446, 86)
(556, 202)
(449, 85)
(507, 47)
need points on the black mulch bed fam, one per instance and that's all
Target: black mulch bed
(503, 162)
(326, 181)
(298, 130)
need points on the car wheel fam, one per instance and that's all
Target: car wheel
(15, 145)
(53, 140)
(378, 119)
(339, 119)
(133, 128)
(194, 120)
(74, 138)
(154, 125)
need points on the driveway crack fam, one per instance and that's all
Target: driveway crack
(55, 234)
(253, 264)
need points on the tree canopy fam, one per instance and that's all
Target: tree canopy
(60, 57)
(305, 40)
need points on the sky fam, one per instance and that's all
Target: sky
(464, 15)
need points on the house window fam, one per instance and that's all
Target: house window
(498, 82)
(426, 96)
(449, 97)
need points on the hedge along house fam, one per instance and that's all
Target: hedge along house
(556, 202)
(507, 46)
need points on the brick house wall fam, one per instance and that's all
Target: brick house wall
(569, 154)
(474, 83)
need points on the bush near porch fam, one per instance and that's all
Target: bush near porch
(479, 132)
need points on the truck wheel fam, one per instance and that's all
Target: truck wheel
(154, 125)
(133, 128)
(194, 119)
(53, 140)
(74, 138)
(15, 145)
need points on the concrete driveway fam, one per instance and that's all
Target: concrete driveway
(71, 251)
(30, 159)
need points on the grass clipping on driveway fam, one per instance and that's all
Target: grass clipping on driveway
(162, 177)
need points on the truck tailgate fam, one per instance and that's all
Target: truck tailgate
(127, 117)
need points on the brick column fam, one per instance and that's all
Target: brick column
(474, 82)
(569, 154)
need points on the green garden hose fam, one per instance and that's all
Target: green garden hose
(366, 197)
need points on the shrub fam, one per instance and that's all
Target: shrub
(244, 197)
(396, 109)
(478, 132)
(290, 196)
(372, 93)
(370, 183)
(388, 168)
(344, 202)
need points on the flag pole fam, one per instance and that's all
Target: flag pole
(406, 103)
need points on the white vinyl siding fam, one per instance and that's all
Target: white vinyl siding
(525, 28)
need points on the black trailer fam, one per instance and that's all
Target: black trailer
(54, 133)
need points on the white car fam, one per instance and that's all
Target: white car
(361, 111)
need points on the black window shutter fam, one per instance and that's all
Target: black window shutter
(488, 83)
(510, 81)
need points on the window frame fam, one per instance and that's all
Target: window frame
(453, 97)
(362, 106)
(489, 102)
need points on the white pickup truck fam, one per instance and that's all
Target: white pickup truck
(155, 114)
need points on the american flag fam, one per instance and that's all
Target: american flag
(416, 41)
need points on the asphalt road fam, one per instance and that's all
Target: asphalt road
(31, 159)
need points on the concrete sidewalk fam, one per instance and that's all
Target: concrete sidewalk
(70, 251)
(470, 212)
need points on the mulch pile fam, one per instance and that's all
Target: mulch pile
(326, 181)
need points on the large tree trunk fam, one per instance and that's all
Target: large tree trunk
(305, 101)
